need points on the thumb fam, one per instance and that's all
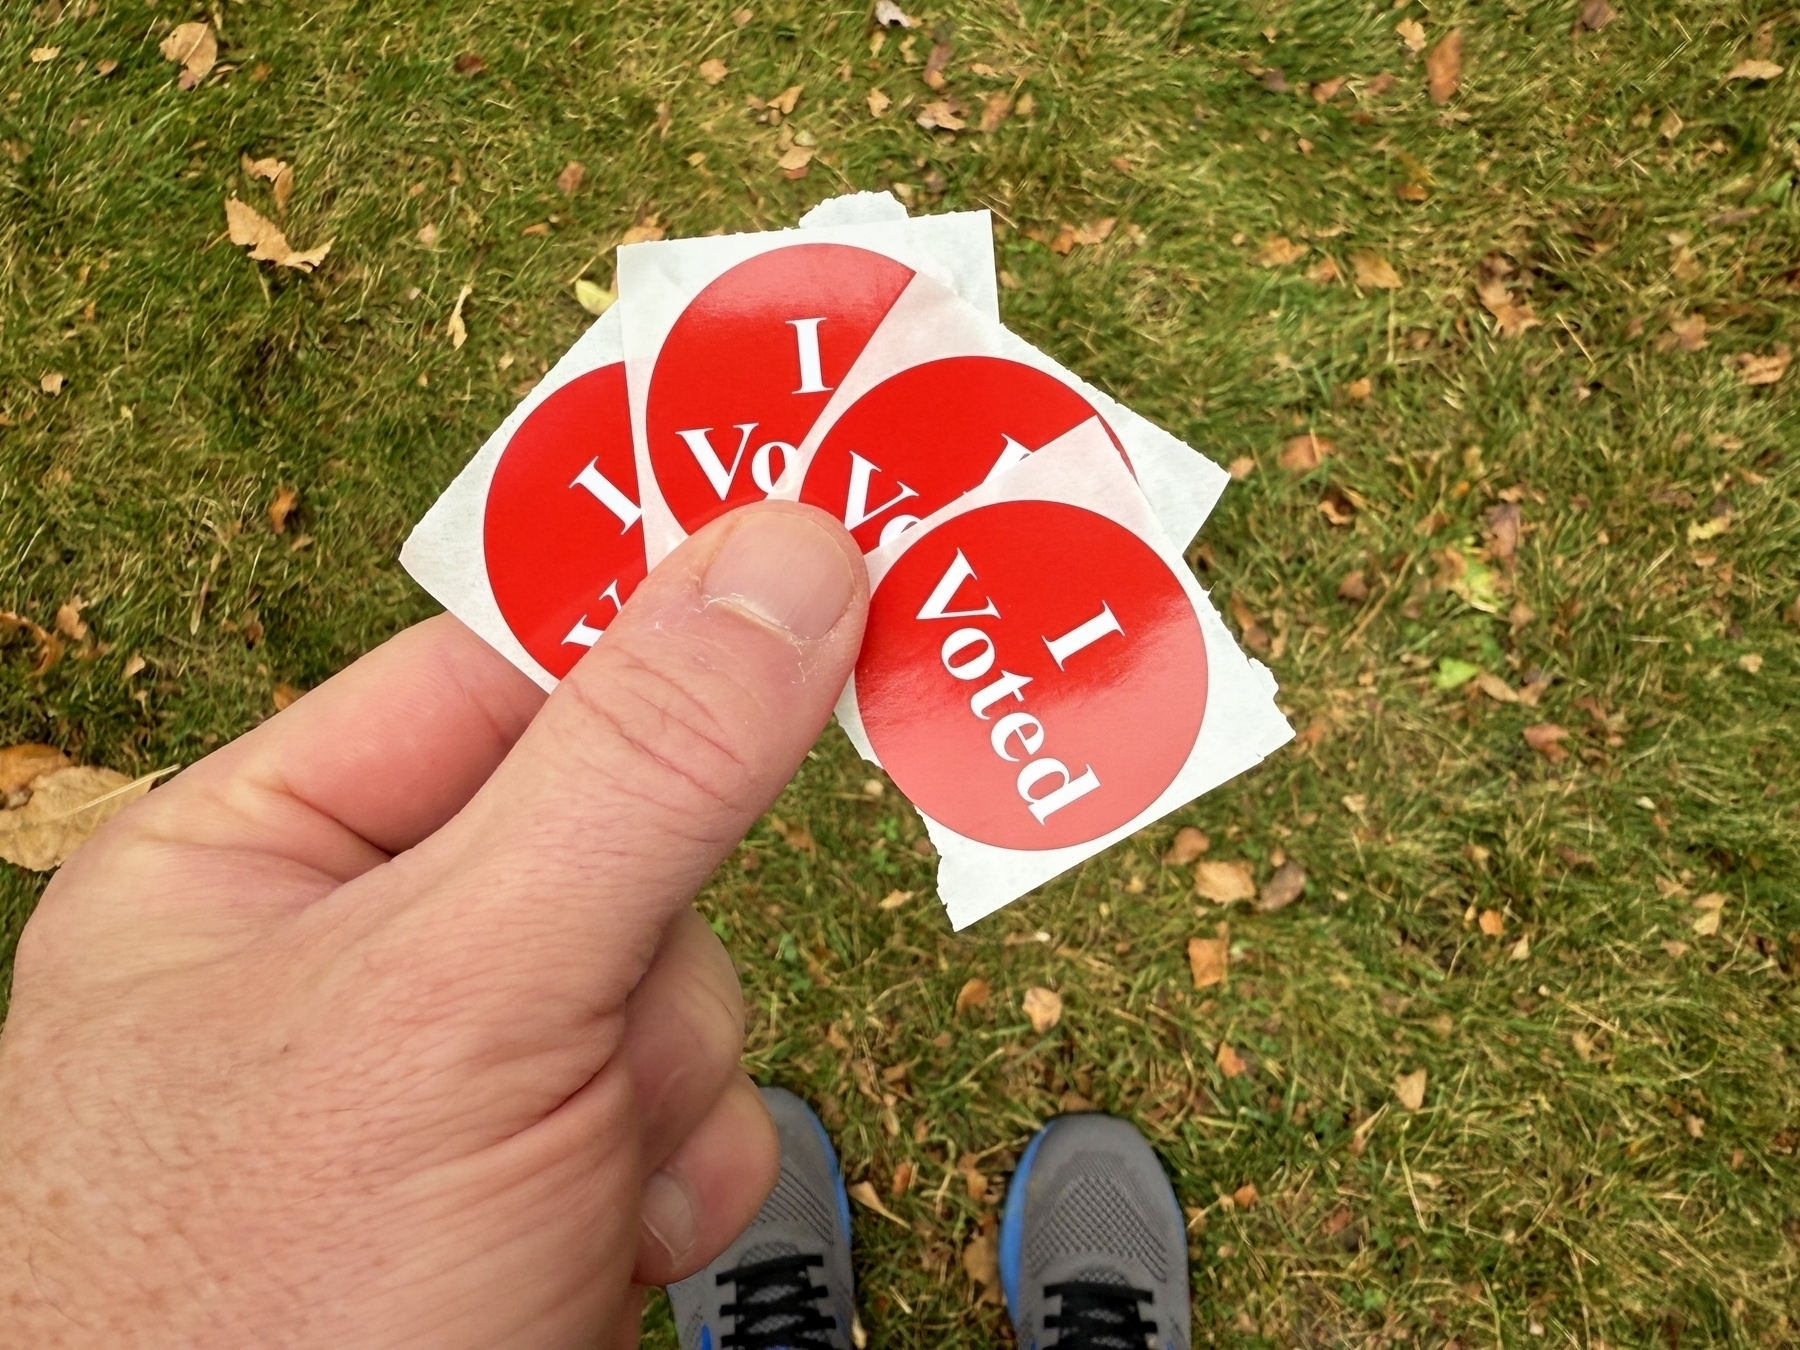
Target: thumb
(552, 887)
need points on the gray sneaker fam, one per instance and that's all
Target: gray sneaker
(1093, 1249)
(786, 1281)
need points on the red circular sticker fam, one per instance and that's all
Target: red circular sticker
(561, 532)
(749, 365)
(918, 441)
(1033, 675)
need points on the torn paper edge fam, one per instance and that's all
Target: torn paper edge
(657, 281)
(1240, 727)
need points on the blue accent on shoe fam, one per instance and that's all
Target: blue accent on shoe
(843, 1196)
(705, 1337)
(1012, 1223)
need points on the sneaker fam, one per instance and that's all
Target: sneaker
(1093, 1248)
(786, 1281)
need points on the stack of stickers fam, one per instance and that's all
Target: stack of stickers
(1041, 676)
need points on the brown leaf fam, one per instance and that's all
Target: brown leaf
(974, 994)
(49, 646)
(1443, 66)
(1353, 588)
(1514, 319)
(1279, 251)
(1544, 738)
(1412, 33)
(569, 180)
(1241, 468)
(890, 15)
(1209, 959)
(995, 109)
(893, 900)
(1754, 70)
(878, 102)
(1326, 90)
(1493, 922)
(1503, 524)
(19, 764)
(1302, 454)
(1409, 1089)
(1374, 272)
(1337, 506)
(1230, 1063)
(1188, 844)
(1094, 232)
(1245, 1196)
(742, 17)
(282, 507)
(902, 1180)
(1596, 14)
(934, 65)
(39, 55)
(1689, 332)
(69, 621)
(647, 231)
(788, 99)
(52, 382)
(940, 115)
(863, 1193)
(1755, 370)
(1043, 1006)
(981, 1262)
(278, 172)
(1282, 889)
(66, 807)
(194, 48)
(471, 64)
(1224, 883)
(1496, 688)
(795, 163)
(713, 71)
(457, 330)
(266, 243)
(1324, 272)
(1256, 638)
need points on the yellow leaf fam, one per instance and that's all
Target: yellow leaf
(878, 102)
(864, 1194)
(456, 328)
(894, 899)
(1412, 33)
(1374, 272)
(39, 55)
(593, 297)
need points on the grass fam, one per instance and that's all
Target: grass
(1606, 1151)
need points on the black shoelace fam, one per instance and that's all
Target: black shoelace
(1099, 1316)
(777, 1305)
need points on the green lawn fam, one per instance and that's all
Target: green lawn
(1605, 1154)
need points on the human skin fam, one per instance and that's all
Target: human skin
(390, 1024)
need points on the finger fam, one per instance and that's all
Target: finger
(366, 765)
(697, 1203)
(684, 1035)
(549, 893)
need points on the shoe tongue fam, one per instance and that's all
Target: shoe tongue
(1100, 1275)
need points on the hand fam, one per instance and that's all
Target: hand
(389, 1023)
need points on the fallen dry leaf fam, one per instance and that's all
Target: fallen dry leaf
(105, 66)
(1544, 738)
(940, 115)
(1208, 959)
(1279, 251)
(742, 17)
(974, 994)
(1094, 232)
(39, 55)
(1496, 688)
(1520, 949)
(66, 807)
(285, 696)
(981, 1262)
(995, 109)
(1354, 587)
(1337, 507)
(1513, 319)
(279, 173)
(72, 626)
(1753, 69)
(1374, 272)
(1504, 522)
(863, 1193)
(1409, 1089)
(1493, 922)
(935, 63)
(248, 228)
(1324, 272)
(1755, 370)
(893, 900)
(713, 71)
(195, 49)
(1443, 66)
(1245, 1196)
(593, 297)
(1241, 468)
(890, 15)
(49, 646)
(1712, 908)
(1188, 844)
(1689, 333)
(1254, 635)
(1750, 662)
(1676, 949)
(794, 164)
(1596, 14)
(1282, 889)
(569, 180)
(455, 327)
(470, 64)
(1304, 453)
(51, 382)
(902, 1180)
(1326, 90)
(1230, 1063)
(1412, 33)
(788, 99)
(878, 103)
(19, 764)
(1224, 883)
(1043, 1006)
